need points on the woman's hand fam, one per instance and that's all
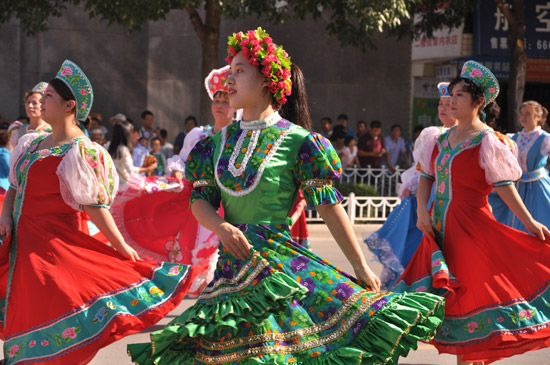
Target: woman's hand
(234, 240)
(534, 227)
(6, 225)
(127, 252)
(406, 193)
(152, 167)
(424, 222)
(178, 175)
(367, 276)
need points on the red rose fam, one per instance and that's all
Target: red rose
(246, 52)
(268, 40)
(256, 49)
(255, 42)
(232, 51)
(271, 48)
(228, 59)
(251, 34)
(239, 36)
(245, 41)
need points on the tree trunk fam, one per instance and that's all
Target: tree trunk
(518, 59)
(209, 35)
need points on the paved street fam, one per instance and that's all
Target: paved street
(322, 243)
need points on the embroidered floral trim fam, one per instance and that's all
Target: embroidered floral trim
(316, 182)
(237, 277)
(233, 289)
(237, 171)
(300, 333)
(344, 328)
(201, 183)
(263, 164)
(442, 172)
(261, 123)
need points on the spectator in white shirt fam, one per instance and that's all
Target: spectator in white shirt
(123, 141)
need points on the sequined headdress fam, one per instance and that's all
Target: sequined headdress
(483, 77)
(79, 85)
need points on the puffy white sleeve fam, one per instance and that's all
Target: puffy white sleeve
(498, 160)
(423, 149)
(545, 147)
(15, 130)
(177, 162)
(409, 180)
(18, 152)
(87, 176)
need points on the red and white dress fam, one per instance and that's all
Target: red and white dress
(496, 279)
(66, 294)
(154, 218)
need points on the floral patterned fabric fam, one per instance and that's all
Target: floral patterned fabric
(488, 273)
(95, 295)
(284, 304)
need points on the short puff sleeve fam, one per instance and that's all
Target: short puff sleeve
(87, 176)
(498, 160)
(318, 166)
(15, 131)
(409, 180)
(19, 149)
(545, 146)
(177, 162)
(423, 149)
(199, 169)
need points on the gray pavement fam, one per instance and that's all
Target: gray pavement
(323, 245)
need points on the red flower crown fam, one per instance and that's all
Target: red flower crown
(273, 61)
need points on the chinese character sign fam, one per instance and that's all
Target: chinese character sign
(446, 43)
(492, 35)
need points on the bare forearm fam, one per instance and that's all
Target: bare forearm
(104, 221)
(7, 206)
(510, 195)
(423, 192)
(338, 223)
(207, 216)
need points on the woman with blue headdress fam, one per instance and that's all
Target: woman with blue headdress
(65, 294)
(396, 241)
(494, 278)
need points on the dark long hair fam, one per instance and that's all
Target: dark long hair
(296, 109)
(491, 110)
(122, 134)
(66, 94)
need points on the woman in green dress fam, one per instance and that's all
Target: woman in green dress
(273, 301)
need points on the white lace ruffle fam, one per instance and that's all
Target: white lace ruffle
(409, 180)
(177, 162)
(423, 148)
(84, 174)
(21, 147)
(498, 162)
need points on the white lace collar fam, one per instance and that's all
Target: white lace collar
(537, 130)
(261, 123)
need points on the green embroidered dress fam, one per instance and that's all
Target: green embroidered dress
(284, 304)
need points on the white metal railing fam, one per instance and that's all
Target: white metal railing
(383, 179)
(362, 209)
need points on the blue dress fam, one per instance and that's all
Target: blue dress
(534, 185)
(396, 241)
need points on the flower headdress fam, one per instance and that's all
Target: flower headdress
(273, 61)
(483, 78)
(79, 85)
(216, 81)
